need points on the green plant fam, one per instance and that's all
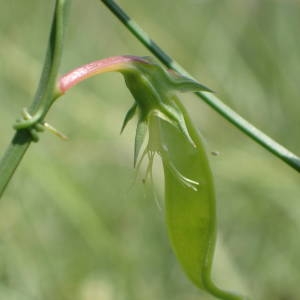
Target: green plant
(44, 98)
(189, 191)
(32, 122)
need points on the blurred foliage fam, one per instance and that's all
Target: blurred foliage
(76, 224)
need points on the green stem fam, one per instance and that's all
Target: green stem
(45, 96)
(261, 138)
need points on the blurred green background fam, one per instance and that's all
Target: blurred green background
(74, 221)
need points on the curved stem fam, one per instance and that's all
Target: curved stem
(45, 95)
(258, 136)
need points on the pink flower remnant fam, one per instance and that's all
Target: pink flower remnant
(110, 64)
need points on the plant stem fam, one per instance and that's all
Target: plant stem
(258, 136)
(44, 97)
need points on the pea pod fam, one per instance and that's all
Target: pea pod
(190, 212)
(190, 209)
(189, 190)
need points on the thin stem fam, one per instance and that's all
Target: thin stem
(44, 97)
(261, 138)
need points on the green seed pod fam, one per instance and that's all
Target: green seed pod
(190, 205)
(190, 210)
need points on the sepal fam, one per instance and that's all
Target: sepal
(129, 115)
(140, 135)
